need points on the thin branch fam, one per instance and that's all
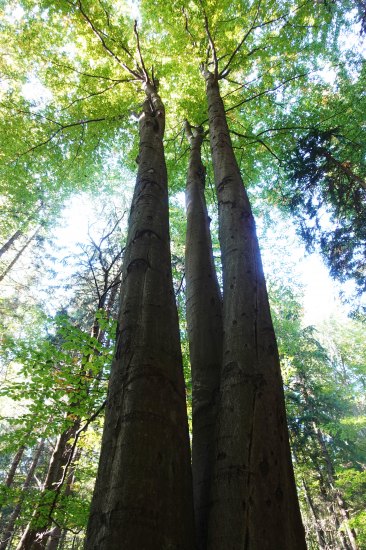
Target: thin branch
(94, 278)
(211, 42)
(246, 84)
(256, 140)
(104, 44)
(180, 285)
(225, 70)
(143, 68)
(94, 94)
(284, 129)
(270, 90)
(60, 129)
(89, 75)
(113, 228)
(187, 27)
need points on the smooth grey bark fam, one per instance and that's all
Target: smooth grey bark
(10, 241)
(9, 528)
(143, 492)
(254, 504)
(204, 325)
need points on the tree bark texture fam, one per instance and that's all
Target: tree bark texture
(204, 323)
(143, 493)
(36, 534)
(254, 504)
(9, 528)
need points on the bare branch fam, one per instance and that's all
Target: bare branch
(268, 91)
(105, 46)
(226, 69)
(179, 289)
(211, 42)
(60, 129)
(187, 27)
(94, 94)
(143, 68)
(269, 150)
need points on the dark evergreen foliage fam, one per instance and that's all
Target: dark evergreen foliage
(328, 198)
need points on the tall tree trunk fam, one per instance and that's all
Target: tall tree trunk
(36, 534)
(254, 500)
(204, 322)
(9, 529)
(143, 492)
(14, 465)
(18, 255)
(336, 537)
(341, 504)
(10, 241)
(320, 535)
(55, 537)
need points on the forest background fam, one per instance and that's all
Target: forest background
(294, 90)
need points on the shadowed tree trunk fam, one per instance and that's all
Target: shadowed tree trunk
(204, 322)
(55, 537)
(36, 534)
(9, 529)
(143, 492)
(254, 503)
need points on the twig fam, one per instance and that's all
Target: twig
(211, 42)
(105, 46)
(187, 27)
(94, 94)
(143, 68)
(268, 91)
(60, 129)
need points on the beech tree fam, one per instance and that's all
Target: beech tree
(205, 333)
(255, 59)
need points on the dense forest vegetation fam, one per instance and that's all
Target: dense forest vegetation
(147, 365)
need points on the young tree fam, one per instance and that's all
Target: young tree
(10, 525)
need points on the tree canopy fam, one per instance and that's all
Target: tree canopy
(292, 79)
